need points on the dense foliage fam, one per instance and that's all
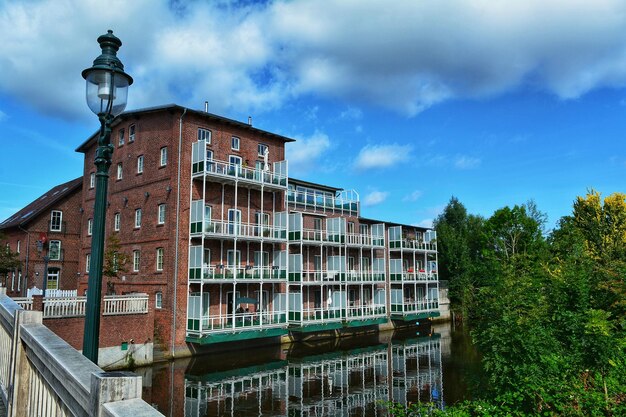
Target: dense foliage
(548, 313)
(8, 259)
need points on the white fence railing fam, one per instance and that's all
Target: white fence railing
(42, 375)
(113, 305)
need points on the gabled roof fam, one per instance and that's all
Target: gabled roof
(175, 107)
(42, 204)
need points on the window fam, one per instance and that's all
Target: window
(131, 133)
(209, 155)
(204, 134)
(92, 180)
(54, 250)
(161, 216)
(18, 247)
(136, 259)
(140, 164)
(159, 259)
(121, 138)
(262, 220)
(261, 148)
(116, 222)
(158, 300)
(119, 171)
(234, 165)
(138, 218)
(89, 227)
(56, 220)
(234, 221)
(234, 143)
(87, 262)
(163, 158)
(350, 227)
(363, 229)
(53, 278)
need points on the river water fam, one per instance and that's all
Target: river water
(341, 377)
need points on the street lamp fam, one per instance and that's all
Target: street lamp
(107, 90)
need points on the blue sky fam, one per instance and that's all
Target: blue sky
(493, 102)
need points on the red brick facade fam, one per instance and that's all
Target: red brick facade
(30, 224)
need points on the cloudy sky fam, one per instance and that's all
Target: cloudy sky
(408, 102)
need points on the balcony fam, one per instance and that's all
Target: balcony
(415, 309)
(220, 273)
(319, 202)
(355, 276)
(364, 240)
(228, 173)
(321, 315)
(316, 276)
(239, 230)
(414, 276)
(413, 245)
(254, 322)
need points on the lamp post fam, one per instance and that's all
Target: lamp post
(107, 90)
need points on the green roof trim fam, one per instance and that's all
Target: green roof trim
(233, 337)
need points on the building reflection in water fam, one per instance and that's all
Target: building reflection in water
(334, 381)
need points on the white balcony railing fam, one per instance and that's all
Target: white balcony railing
(323, 202)
(226, 228)
(226, 272)
(409, 306)
(241, 321)
(318, 315)
(215, 168)
(413, 244)
(358, 239)
(64, 307)
(366, 311)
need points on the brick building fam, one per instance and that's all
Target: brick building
(49, 226)
(228, 247)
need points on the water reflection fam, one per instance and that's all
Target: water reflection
(349, 377)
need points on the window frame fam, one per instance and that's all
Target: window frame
(120, 171)
(89, 227)
(163, 156)
(203, 133)
(136, 260)
(92, 180)
(87, 262)
(259, 148)
(60, 221)
(161, 212)
(56, 243)
(138, 215)
(160, 259)
(235, 140)
(158, 300)
(121, 133)
(140, 161)
(132, 130)
(117, 221)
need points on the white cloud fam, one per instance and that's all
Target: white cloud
(414, 196)
(305, 152)
(382, 156)
(466, 162)
(252, 57)
(375, 197)
(351, 113)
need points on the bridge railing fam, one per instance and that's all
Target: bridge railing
(40, 374)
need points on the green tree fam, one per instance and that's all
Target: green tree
(115, 261)
(9, 260)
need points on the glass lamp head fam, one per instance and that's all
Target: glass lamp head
(107, 83)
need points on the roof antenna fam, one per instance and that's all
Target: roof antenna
(206, 106)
